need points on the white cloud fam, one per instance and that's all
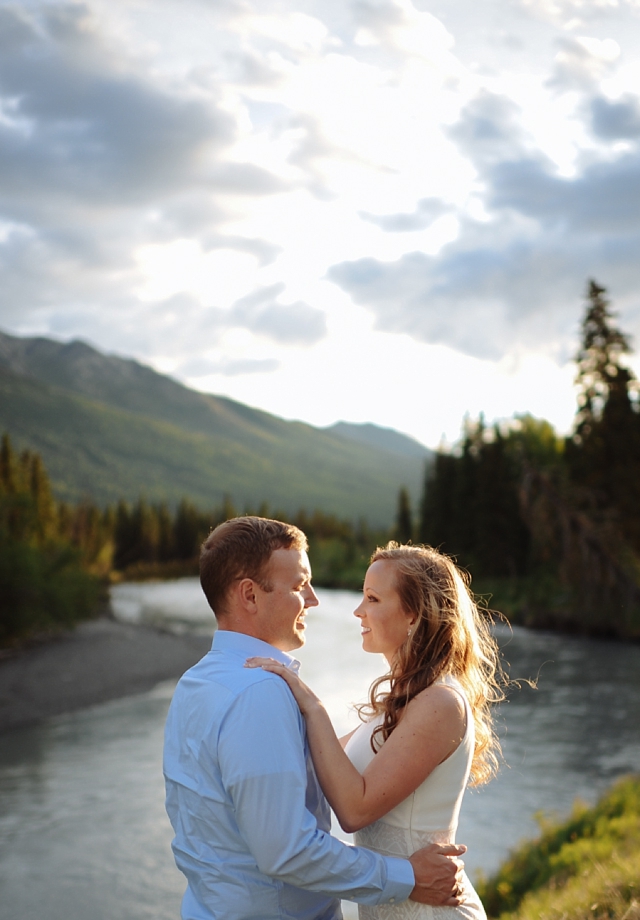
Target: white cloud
(348, 194)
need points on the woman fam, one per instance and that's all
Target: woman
(397, 780)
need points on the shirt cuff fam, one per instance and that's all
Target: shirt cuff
(400, 881)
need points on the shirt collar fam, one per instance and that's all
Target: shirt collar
(224, 640)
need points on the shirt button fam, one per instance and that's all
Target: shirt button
(392, 900)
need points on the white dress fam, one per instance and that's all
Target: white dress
(428, 815)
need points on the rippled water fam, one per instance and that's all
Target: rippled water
(83, 832)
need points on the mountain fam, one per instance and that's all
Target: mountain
(109, 427)
(387, 439)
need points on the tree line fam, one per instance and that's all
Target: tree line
(549, 527)
(56, 559)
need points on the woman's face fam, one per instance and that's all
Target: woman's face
(384, 622)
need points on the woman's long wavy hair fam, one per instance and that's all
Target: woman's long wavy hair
(450, 636)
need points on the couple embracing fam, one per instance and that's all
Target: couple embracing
(252, 762)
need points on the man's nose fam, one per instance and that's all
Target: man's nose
(310, 598)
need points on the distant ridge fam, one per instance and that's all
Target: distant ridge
(110, 427)
(381, 438)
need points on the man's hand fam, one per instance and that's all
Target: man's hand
(438, 875)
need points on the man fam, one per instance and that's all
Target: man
(251, 823)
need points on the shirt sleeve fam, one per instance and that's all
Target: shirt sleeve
(261, 754)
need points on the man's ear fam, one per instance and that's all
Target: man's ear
(246, 593)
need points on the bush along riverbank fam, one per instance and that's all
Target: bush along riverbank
(52, 557)
(584, 868)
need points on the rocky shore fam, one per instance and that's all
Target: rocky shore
(99, 661)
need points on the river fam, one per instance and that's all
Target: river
(83, 833)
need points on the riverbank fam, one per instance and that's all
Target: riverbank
(98, 661)
(584, 868)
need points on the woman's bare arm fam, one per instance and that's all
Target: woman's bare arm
(432, 727)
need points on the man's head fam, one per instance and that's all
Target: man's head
(256, 577)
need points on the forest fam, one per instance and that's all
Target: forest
(57, 559)
(548, 527)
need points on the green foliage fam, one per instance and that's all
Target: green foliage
(42, 590)
(339, 552)
(551, 528)
(46, 553)
(600, 369)
(586, 866)
(604, 452)
(148, 535)
(470, 506)
(403, 532)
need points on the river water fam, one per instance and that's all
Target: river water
(83, 832)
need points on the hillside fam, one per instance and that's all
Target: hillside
(109, 427)
(584, 868)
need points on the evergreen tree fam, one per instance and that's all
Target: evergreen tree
(437, 524)
(166, 548)
(604, 453)
(600, 372)
(43, 503)
(228, 510)
(187, 531)
(8, 476)
(44, 583)
(124, 537)
(403, 531)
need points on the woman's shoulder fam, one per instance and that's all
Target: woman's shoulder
(444, 699)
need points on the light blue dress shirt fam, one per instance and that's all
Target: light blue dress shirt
(251, 823)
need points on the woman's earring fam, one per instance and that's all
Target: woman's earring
(409, 631)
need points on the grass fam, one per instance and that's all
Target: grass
(587, 866)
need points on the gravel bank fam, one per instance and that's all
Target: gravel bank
(99, 661)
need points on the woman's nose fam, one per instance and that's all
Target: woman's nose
(358, 612)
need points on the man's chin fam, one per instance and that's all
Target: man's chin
(299, 639)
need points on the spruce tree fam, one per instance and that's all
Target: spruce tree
(600, 372)
(8, 474)
(404, 525)
(604, 453)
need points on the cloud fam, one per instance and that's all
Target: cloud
(513, 280)
(489, 129)
(399, 27)
(559, 10)
(98, 156)
(582, 62)
(480, 300)
(228, 367)
(88, 128)
(426, 211)
(248, 68)
(290, 324)
(604, 198)
(148, 148)
(615, 120)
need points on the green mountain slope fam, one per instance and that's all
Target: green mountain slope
(380, 438)
(110, 428)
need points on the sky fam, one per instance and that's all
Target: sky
(371, 210)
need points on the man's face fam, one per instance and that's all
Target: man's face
(282, 611)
